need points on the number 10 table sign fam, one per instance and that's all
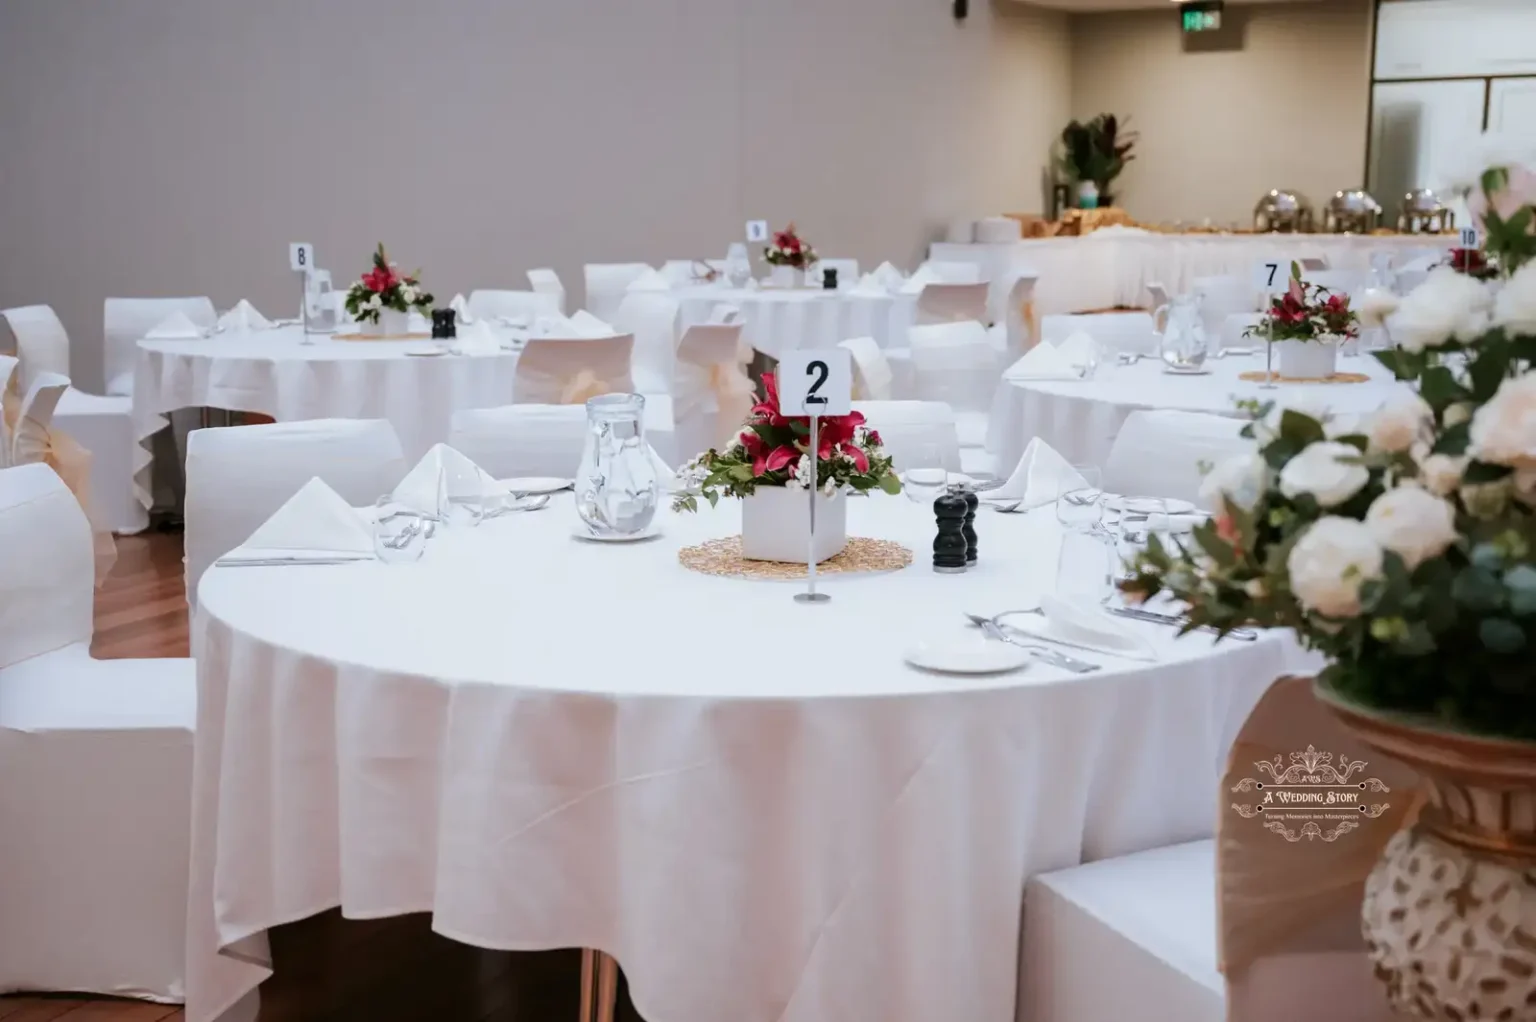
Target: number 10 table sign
(815, 382)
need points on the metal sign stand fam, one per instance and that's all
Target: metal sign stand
(811, 595)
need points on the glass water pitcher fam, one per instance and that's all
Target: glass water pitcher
(1183, 346)
(617, 488)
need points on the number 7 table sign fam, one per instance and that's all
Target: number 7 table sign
(1271, 276)
(815, 382)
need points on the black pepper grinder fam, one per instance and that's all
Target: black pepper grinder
(949, 547)
(972, 502)
(829, 278)
(444, 325)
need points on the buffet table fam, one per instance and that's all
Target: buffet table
(1112, 267)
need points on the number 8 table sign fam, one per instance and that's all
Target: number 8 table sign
(814, 383)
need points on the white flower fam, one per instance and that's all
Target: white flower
(1412, 523)
(408, 293)
(1504, 429)
(1330, 561)
(1398, 423)
(1447, 305)
(1240, 479)
(374, 302)
(1441, 473)
(798, 473)
(1375, 306)
(830, 487)
(1321, 471)
(1515, 309)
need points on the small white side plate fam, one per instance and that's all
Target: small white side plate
(426, 352)
(967, 654)
(1202, 371)
(1148, 505)
(651, 532)
(535, 485)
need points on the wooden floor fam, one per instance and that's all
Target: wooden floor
(327, 969)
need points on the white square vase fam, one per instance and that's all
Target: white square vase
(785, 276)
(776, 525)
(1306, 360)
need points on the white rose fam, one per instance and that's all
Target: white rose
(408, 293)
(1412, 523)
(1375, 306)
(1447, 305)
(1515, 308)
(1441, 473)
(1504, 429)
(1240, 479)
(1330, 561)
(1321, 471)
(1398, 423)
(374, 302)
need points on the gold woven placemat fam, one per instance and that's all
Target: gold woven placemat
(722, 557)
(382, 337)
(1263, 377)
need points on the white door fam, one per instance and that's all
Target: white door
(1417, 130)
(1512, 106)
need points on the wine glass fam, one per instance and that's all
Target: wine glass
(1080, 499)
(399, 531)
(1084, 566)
(925, 476)
(461, 495)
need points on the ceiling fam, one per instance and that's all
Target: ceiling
(1131, 5)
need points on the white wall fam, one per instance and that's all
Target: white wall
(161, 147)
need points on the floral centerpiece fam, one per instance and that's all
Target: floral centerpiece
(1404, 551)
(768, 465)
(385, 297)
(789, 256)
(1308, 323)
(1473, 262)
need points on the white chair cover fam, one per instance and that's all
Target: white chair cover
(1340, 282)
(871, 370)
(1220, 297)
(1118, 332)
(238, 476)
(1019, 316)
(547, 282)
(41, 341)
(680, 272)
(1235, 326)
(526, 305)
(607, 284)
(954, 363)
(953, 273)
(95, 772)
(712, 392)
(522, 440)
(952, 303)
(906, 428)
(651, 317)
(125, 321)
(570, 371)
(1159, 453)
(29, 434)
(8, 382)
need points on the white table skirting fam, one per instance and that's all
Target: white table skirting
(1080, 418)
(783, 320)
(1107, 269)
(755, 806)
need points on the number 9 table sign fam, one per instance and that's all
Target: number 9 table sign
(815, 382)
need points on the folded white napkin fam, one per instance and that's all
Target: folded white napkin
(244, 317)
(586, 325)
(478, 339)
(460, 307)
(423, 485)
(1040, 476)
(1077, 350)
(1042, 362)
(650, 280)
(1086, 624)
(888, 276)
(175, 327)
(870, 286)
(315, 524)
(919, 280)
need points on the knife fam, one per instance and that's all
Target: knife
(1136, 614)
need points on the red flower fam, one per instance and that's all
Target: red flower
(380, 279)
(860, 462)
(874, 437)
(780, 458)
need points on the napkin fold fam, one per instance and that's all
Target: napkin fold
(244, 317)
(422, 488)
(650, 280)
(1077, 350)
(919, 280)
(870, 286)
(586, 325)
(1040, 476)
(1042, 362)
(315, 524)
(888, 275)
(460, 307)
(175, 327)
(478, 339)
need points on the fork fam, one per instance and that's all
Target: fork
(993, 630)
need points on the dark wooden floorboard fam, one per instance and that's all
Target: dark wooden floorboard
(328, 969)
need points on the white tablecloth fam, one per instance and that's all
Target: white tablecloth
(753, 804)
(1080, 418)
(783, 320)
(1107, 269)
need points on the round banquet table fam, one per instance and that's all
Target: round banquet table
(1080, 418)
(778, 320)
(753, 804)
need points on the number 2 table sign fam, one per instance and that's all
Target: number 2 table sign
(813, 383)
(1271, 276)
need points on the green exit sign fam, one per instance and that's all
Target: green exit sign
(1201, 16)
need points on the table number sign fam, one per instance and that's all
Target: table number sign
(301, 257)
(1470, 238)
(815, 382)
(1271, 276)
(757, 230)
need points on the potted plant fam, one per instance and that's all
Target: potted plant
(1092, 155)
(385, 297)
(768, 466)
(789, 256)
(1404, 551)
(1307, 324)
